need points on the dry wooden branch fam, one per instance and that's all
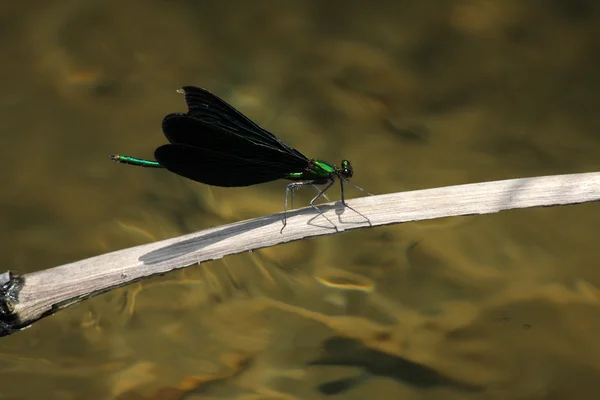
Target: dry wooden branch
(30, 297)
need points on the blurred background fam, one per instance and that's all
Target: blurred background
(416, 94)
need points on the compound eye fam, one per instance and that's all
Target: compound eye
(347, 170)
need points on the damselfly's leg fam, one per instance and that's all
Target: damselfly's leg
(296, 185)
(322, 193)
(342, 190)
(289, 193)
(344, 181)
(347, 182)
(318, 190)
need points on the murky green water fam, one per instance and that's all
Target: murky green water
(417, 94)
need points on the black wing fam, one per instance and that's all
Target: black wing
(218, 168)
(182, 129)
(219, 118)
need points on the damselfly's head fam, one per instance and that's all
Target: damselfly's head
(346, 170)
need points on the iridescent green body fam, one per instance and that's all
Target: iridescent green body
(316, 169)
(140, 162)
